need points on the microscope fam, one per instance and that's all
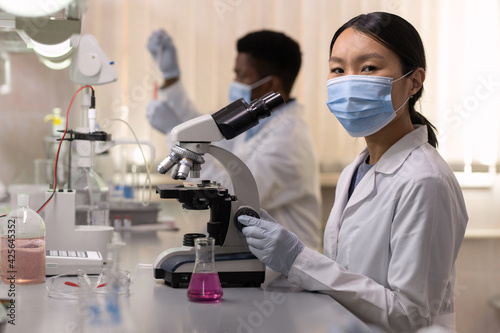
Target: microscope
(235, 263)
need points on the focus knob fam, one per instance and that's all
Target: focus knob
(244, 211)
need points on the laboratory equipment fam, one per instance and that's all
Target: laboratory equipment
(57, 41)
(117, 222)
(59, 262)
(204, 285)
(58, 121)
(53, 38)
(122, 199)
(36, 194)
(92, 195)
(64, 234)
(127, 222)
(106, 311)
(87, 200)
(90, 65)
(51, 148)
(235, 263)
(23, 245)
(34, 8)
(71, 284)
(86, 196)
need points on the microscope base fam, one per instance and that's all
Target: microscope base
(227, 279)
(234, 269)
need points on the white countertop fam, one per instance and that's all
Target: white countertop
(155, 307)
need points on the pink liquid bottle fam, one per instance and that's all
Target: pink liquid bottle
(22, 245)
(204, 285)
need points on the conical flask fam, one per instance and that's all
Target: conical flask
(204, 285)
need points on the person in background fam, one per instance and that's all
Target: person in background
(279, 151)
(399, 215)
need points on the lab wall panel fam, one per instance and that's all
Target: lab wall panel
(478, 282)
(461, 90)
(36, 90)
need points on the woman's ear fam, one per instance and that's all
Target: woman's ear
(417, 80)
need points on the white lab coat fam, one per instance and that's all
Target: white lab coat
(280, 155)
(390, 249)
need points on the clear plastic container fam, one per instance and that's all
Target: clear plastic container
(71, 284)
(92, 198)
(204, 285)
(22, 245)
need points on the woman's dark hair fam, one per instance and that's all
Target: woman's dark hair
(402, 38)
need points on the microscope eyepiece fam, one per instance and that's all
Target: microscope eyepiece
(262, 107)
(239, 116)
(231, 121)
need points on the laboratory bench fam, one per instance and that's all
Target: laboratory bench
(152, 306)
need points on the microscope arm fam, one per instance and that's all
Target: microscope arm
(244, 185)
(199, 129)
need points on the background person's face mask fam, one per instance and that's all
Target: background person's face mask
(362, 103)
(239, 90)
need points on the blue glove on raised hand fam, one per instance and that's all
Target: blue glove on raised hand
(162, 49)
(270, 242)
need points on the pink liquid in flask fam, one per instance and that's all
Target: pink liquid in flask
(205, 287)
(26, 261)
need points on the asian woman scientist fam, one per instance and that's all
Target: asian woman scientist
(399, 216)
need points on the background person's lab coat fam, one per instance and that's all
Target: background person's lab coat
(394, 242)
(279, 152)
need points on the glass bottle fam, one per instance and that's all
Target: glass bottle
(22, 245)
(92, 197)
(204, 285)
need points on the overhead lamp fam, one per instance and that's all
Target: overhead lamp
(53, 40)
(57, 65)
(52, 50)
(33, 8)
(57, 42)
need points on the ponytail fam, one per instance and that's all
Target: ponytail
(418, 119)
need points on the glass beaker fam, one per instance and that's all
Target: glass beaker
(204, 285)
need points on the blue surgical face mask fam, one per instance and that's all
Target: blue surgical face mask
(239, 90)
(362, 103)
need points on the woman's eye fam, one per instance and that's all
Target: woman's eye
(336, 70)
(368, 68)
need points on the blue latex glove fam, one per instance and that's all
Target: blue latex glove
(270, 242)
(162, 49)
